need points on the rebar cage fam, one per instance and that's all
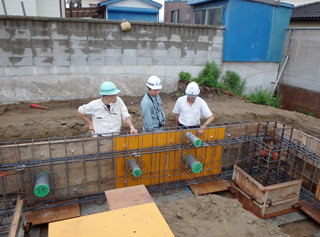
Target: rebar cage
(83, 167)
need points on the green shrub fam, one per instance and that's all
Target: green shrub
(209, 75)
(185, 76)
(179, 94)
(264, 97)
(233, 83)
(306, 113)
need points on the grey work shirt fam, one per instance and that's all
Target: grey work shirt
(152, 113)
(106, 122)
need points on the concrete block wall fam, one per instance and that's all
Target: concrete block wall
(44, 59)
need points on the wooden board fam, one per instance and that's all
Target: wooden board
(310, 210)
(127, 197)
(317, 194)
(210, 187)
(262, 194)
(16, 218)
(48, 215)
(141, 220)
(261, 210)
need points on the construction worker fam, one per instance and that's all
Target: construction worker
(106, 112)
(190, 107)
(151, 106)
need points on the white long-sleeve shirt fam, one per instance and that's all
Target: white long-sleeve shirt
(104, 121)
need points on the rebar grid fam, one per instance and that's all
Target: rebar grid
(270, 152)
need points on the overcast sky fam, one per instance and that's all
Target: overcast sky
(298, 2)
(161, 14)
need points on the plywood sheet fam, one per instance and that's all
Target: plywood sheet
(164, 166)
(210, 187)
(310, 210)
(141, 220)
(127, 197)
(48, 215)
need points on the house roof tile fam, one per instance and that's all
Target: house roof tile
(307, 11)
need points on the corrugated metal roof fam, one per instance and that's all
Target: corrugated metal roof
(306, 11)
(270, 2)
(108, 2)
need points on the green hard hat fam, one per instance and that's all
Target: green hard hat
(108, 88)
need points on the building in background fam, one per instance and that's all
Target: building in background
(131, 10)
(307, 15)
(45, 8)
(177, 12)
(255, 29)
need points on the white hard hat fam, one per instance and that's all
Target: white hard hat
(154, 83)
(192, 89)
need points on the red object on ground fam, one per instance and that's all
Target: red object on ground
(275, 155)
(264, 153)
(3, 173)
(38, 106)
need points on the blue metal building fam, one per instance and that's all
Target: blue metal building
(255, 29)
(131, 10)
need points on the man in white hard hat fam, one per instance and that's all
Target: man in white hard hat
(190, 107)
(151, 106)
(107, 113)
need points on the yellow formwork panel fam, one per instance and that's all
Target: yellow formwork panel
(160, 156)
(140, 220)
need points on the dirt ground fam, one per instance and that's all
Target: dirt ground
(189, 217)
(20, 122)
(213, 215)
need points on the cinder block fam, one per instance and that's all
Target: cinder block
(61, 60)
(4, 34)
(40, 52)
(41, 43)
(19, 71)
(158, 53)
(200, 61)
(22, 61)
(23, 34)
(60, 69)
(44, 70)
(95, 60)
(82, 52)
(43, 61)
(201, 54)
(5, 52)
(113, 60)
(60, 44)
(175, 38)
(144, 60)
(128, 60)
(144, 52)
(2, 71)
(113, 52)
(174, 52)
(203, 38)
(79, 60)
(185, 61)
(22, 52)
(55, 35)
(5, 61)
(63, 52)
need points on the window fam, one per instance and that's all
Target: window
(214, 16)
(210, 16)
(199, 17)
(175, 16)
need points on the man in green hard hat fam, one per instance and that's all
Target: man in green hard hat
(107, 113)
